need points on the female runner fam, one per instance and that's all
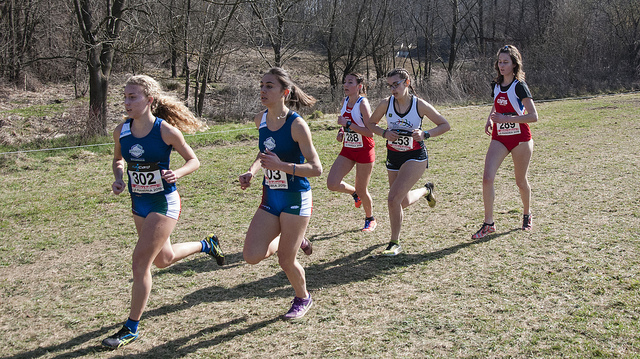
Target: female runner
(358, 148)
(508, 125)
(143, 143)
(281, 220)
(406, 152)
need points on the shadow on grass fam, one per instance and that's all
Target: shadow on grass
(355, 267)
(204, 263)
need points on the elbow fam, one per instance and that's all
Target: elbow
(534, 118)
(317, 171)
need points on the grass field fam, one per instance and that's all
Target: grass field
(569, 288)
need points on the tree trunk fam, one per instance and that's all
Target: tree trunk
(100, 52)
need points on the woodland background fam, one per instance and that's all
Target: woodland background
(212, 53)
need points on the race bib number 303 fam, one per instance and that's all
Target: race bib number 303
(275, 179)
(145, 178)
(508, 129)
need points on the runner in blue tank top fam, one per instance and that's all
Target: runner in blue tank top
(281, 221)
(143, 145)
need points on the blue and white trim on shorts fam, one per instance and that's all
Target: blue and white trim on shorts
(165, 204)
(276, 202)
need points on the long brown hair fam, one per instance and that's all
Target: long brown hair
(516, 58)
(296, 98)
(165, 106)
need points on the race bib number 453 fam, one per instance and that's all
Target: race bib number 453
(508, 129)
(145, 178)
(403, 143)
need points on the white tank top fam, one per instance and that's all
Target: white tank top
(355, 111)
(408, 122)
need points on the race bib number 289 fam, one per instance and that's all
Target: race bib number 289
(508, 129)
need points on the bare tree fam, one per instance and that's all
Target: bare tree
(99, 34)
(624, 18)
(217, 21)
(278, 27)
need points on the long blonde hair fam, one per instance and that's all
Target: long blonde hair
(166, 106)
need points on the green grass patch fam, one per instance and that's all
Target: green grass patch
(569, 288)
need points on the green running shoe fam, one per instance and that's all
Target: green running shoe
(392, 250)
(123, 337)
(431, 199)
(215, 250)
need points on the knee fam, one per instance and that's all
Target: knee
(523, 184)
(394, 201)
(488, 179)
(139, 268)
(286, 263)
(162, 262)
(251, 258)
(333, 185)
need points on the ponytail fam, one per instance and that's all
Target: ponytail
(296, 97)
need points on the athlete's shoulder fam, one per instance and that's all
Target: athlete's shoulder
(258, 117)
(522, 90)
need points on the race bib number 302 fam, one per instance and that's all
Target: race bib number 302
(275, 179)
(508, 129)
(145, 178)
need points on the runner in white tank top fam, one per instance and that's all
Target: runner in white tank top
(406, 154)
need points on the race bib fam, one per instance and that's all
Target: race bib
(275, 179)
(508, 129)
(145, 178)
(403, 143)
(353, 139)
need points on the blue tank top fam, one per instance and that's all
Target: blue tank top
(145, 158)
(282, 144)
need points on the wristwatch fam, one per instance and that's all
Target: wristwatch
(348, 123)
(426, 134)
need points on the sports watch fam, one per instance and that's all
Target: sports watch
(348, 123)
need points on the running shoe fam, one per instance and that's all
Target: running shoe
(357, 200)
(484, 230)
(299, 307)
(306, 246)
(369, 225)
(215, 250)
(123, 337)
(392, 250)
(526, 222)
(431, 199)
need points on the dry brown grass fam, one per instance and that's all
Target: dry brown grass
(569, 288)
